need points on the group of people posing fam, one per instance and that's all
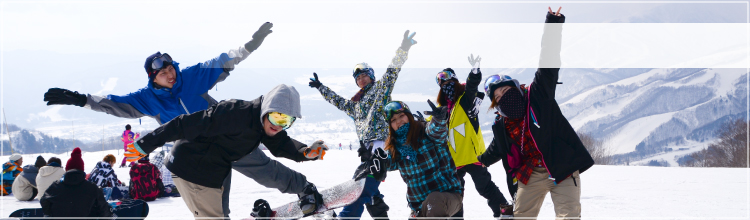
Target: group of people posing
(540, 151)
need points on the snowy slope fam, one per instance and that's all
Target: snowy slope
(609, 192)
(658, 107)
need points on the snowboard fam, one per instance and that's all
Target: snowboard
(335, 197)
(129, 209)
(27, 213)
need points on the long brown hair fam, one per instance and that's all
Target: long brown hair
(457, 87)
(413, 138)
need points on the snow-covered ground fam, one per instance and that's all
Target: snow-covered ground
(609, 192)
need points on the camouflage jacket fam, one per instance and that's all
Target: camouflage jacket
(367, 113)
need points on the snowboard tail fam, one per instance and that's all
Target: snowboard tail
(335, 197)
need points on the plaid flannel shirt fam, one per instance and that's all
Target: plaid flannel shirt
(432, 171)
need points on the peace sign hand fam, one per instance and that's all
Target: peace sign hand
(438, 113)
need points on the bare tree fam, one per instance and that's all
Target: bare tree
(730, 150)
(600, 153)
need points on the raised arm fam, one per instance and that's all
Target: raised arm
(213, 71)
(545, 79)
(437, 128)
(472, 83)
(402, 53)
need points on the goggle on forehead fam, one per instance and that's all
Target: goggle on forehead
(495, 80)
(393, 108)
(159, 62)
(443, 76)
(280, 119)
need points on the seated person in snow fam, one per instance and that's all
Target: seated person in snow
(73, 196)
(145, 181)
(209, 141)
(11, 170)
(103, 175)
(48, 174)
(24, 187)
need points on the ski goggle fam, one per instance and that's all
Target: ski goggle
(393, 108)
(159, 62)
(443, 76)
(496, 81)
(361, 68)
(281, 119)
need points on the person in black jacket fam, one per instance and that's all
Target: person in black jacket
(539, 148)
(209, 141)
(73, 196)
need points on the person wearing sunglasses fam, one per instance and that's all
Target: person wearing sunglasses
(209, 141)
(172, 91)
(465, 137)
(419, 152)
(372, 128)
(540, 150)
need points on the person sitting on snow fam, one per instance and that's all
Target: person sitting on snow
(145, 181)
(24, 187)
(11, 170)
(103, 175)
(48, 174)
(73, 196)
(209, 141)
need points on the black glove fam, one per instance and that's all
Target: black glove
(439, 113)
(377, 166)
(259, 36)
(58, 96)
(555, 17)
(261, 209)
(310, 199)
(408, 40)
(314, 82)
(363, 152)
(419, 117)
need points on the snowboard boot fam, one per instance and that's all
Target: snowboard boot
(261, 209)
(506, 211)
(310, 199)
(377, 209)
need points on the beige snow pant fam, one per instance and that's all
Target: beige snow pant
(566, 195)
(202, 201)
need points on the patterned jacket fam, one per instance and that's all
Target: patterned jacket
(104, 176)
(10, 171)
(367, 113)
(145, 181)
(158, 161)
(433, 170)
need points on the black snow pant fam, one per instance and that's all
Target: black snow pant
(486, 188)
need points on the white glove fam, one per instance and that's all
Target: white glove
(474, 63)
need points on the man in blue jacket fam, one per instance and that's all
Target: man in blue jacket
(172, 91)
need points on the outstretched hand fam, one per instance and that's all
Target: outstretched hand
(408, 40)
(314, 82)
(58, 96)
(259, 36)
(438, 113)
(474, 61)
(555, 13)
